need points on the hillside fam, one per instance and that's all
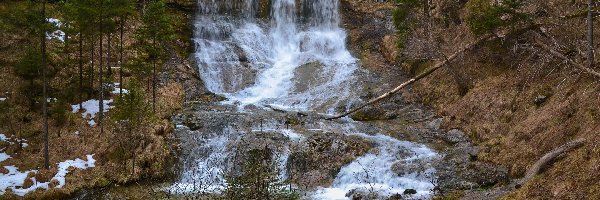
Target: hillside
(514, 99)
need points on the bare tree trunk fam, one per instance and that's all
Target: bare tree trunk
(93, 51)
(80, 69)
(45, 88)
(121, 61)
(154, 77)
(413, 80)
(590, 34)
(108, 61)
(101, 104)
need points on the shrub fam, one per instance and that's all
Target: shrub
(483, 17)
(257, 179)
(402, 22)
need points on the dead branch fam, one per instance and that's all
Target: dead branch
(562, 56)
(413, 80)
(548, 159)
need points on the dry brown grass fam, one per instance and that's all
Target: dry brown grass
(497, 110)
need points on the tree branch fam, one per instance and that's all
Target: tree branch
(562, 56)
(415, 79)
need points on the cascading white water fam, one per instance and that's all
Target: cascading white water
(253, 60)
(294, 59)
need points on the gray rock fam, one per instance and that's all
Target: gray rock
(454, 136)
(434, 124)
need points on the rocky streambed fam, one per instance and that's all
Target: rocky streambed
(407, 156)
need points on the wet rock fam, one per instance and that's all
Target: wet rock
(193, 122)
(410, 191)
(395, 197)
(322, 156)
(236, 76)
(371, 114)
(307, 76)
(242, 57)
(364, 194)
(404, 167)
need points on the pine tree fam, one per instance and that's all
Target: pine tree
(157, 28)
(129, 113)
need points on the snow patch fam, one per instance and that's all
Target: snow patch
(4, 156)
(117, 87)
(58, 34)
(15, 179)
(92, 107)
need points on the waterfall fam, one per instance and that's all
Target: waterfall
(289, 54)
(253, 60)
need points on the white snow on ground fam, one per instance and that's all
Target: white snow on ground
(4, 156)
(58, 34)
(3, 98)
(116, 87)
(15, 179)
(77, 163)
(92, 108)
(11, 140)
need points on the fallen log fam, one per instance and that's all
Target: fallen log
(415, 79)
(548, 159)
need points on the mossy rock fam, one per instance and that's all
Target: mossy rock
(372, 114)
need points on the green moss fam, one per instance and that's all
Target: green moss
(101, 181)
(483, 17)
(402, 21)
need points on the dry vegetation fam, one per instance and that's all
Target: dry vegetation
(491, 94)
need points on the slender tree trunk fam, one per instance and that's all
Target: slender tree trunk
(80, 69)
(108, 59)
(154, 77)
(121, 60)
(45, 88)
(590, 34)
(101, 104)
(93, 51)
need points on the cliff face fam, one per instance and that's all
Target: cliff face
(511, 97)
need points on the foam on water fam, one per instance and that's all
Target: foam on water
(372, 173)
